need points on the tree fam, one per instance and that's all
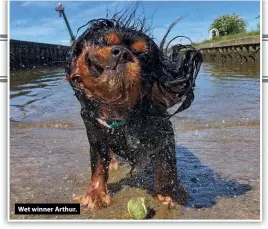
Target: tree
(258, 24)
(232, 24)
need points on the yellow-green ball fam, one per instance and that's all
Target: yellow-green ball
(138, 207)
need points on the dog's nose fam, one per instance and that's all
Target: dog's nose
(121, 54)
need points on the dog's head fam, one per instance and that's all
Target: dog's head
(117, 65)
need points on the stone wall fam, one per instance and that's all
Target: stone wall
(24, 54)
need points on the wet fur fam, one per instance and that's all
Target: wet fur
(154, 82)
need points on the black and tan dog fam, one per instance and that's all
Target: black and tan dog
(125, 84)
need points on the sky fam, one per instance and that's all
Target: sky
(39, 22)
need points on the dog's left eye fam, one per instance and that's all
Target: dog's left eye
(112, 38)
(139, 46)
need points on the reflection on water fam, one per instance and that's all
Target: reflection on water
(225, 92)
(40, 94)
(234, 68)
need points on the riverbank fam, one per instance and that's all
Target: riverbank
(246, 41)
(228, 37)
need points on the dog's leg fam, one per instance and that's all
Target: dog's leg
(113, 162)
(97, 195)
(168, 186)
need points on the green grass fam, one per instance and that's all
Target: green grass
(229, 37)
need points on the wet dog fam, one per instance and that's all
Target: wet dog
(125, 83)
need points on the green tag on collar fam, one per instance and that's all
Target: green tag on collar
(115, 124)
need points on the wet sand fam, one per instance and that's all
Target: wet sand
(49, 163)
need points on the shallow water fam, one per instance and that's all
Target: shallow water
(217, 146)
(224, 92)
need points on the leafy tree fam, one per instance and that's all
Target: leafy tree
(232, 24)
(258, 24)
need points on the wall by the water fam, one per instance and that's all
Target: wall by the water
(25, 54)
(239, 50)
(239, 55)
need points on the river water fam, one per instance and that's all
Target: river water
(218, 136)
(224, 92)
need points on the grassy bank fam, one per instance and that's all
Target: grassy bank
(229, 37)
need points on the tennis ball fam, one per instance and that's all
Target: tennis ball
(138, 207)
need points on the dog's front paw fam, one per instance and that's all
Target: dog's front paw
(172, 197)
(114, 164)
(166, 200)
(94, 198)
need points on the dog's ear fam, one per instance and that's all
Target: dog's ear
(176, 81)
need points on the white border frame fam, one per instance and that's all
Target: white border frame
(132, 221)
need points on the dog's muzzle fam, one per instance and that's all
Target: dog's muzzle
(120, 55)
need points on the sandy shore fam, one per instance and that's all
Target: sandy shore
(219, 165)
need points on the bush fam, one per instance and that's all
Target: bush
(232, 24)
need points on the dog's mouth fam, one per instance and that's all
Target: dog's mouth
(104, 75)
(94, 69)
(109, 69)
(97, 73)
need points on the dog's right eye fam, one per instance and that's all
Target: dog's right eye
(112, 38)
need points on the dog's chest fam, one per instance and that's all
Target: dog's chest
(133, 144)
